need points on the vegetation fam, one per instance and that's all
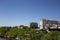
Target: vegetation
(26, 33)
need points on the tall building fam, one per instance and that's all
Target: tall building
(33, 25)
(44, 22)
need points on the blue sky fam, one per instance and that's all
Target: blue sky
(17, 12)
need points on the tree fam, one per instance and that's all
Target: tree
(3, 30)
(50, 36)
(12, 33)
(20, 33)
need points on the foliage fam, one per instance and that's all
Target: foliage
(11, 33)
(28, 33)
(3, 30)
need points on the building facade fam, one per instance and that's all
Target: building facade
(44, 22)
(33, 25)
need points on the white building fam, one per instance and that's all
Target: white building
(44, 22)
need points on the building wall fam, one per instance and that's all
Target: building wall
(45, 22)
(41, 24)
(33, 25)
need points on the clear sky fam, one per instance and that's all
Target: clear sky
(17, 12)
